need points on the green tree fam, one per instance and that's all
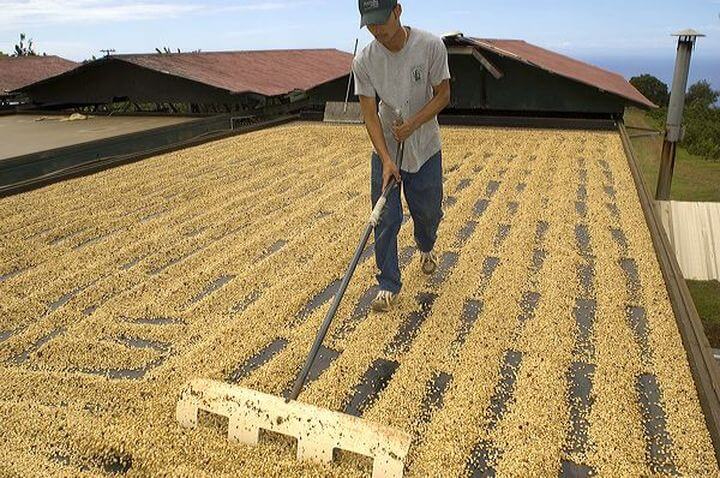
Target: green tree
(702, 133)
(702, 94)
(22, 49)
(652, 88)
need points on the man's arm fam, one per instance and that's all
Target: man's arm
(375, 131)
(441, 98)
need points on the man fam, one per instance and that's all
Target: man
(408, 69)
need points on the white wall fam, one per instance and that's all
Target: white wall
(694, 231)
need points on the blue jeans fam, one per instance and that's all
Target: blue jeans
(424, 195)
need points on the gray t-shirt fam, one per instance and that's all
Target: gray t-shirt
(404, 81)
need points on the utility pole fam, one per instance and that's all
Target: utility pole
(674, 129)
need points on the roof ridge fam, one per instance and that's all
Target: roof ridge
(34, 57)
(227, 52)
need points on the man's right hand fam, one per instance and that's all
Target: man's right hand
(390, 170)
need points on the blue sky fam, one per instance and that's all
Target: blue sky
(604, 31)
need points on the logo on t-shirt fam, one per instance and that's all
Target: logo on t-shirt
(417, 73)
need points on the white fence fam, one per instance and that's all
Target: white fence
(694, 232)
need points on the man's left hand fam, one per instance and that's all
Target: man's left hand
(402, 131)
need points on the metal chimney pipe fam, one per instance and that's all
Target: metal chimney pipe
(674, 128)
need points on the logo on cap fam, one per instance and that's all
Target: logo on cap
(368, 4)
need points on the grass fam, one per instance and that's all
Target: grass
(706, 295)
(695, 178)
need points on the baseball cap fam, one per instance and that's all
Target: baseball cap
(375, 12)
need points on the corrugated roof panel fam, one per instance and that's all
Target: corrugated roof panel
(16, 72)
(270, 72)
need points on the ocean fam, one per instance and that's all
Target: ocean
(701, 68)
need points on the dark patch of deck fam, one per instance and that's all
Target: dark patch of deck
(619, 237)
(447, 262)
(583, 174)
(175, 261)
(582, 237)
(614, 210)
(466, 232)
(481, 461)
(247, 301)
(579, 378)
(492, 188)
(608, 176)
(90, 310)
(584, 313)
(434, 394)
(471, 312)
(11, 274)
(326, 356)
(374, 382)
(490, 264)
(528, 305)
(538, 260)
(586, 275)
(581, 208)
(274, 247)
(116, 463)
(582, 193)
(632, 277)
(541, 230)
(570, 469)
(64, 299)
(258, 360)
(6, 334)
(504, 389)
(480, 207)
(138, 343)
(215, 285)
(411, 324)
(126, 374)
(132, 263)
(658, 444)
(502, 233)
(155, 321)
(319, 300)
(60, 239)
(367, 253)
(637, 318)
(92, 240)
(464, 184)
(37, 345)
(362, 307)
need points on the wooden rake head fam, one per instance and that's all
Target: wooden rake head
(318, 431)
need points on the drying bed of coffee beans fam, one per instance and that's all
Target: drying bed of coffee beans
(544, 345)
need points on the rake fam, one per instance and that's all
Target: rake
(318, 431)
(339, 112)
